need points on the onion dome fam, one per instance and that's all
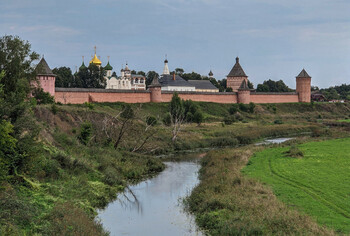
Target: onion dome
(82, 66)
(210, 73)
(108, 67)
(95, 61)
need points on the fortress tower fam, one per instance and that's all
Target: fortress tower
(244, 93)
(155, 88)
(236, 77)
(45, 77)
(303, 81)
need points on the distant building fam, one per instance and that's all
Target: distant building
(173, 82)
(316, 96)
(203, 86)
(45, 77)
(126, 81)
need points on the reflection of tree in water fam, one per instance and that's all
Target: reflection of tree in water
(130, 201)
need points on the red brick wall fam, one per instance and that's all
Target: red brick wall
(79, 96)
(203, 97)
(273, 98)
(75, 97)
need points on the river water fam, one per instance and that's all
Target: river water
(154, 207)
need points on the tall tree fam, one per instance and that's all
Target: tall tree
(179, 71)
(64, 77)
(273, 86)
(150, 75)
(90, 77)
(177, 114)
(191, 76)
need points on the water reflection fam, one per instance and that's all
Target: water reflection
(274, 141)
(154, 207)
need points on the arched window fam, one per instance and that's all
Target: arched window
(136, 81)
(141, 81)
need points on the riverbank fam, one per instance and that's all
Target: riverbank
(76, 165)
(227, 203)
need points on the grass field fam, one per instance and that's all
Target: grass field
(317, 184)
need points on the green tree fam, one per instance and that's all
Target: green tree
(65, 78)
(141, 73)
(198, 117)
(273, 86)
(150, 75)
(177, 114)
(90, 77)
(191, 76)
(179, 71)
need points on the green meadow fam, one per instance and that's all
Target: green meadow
(317, 184)
(347, 120)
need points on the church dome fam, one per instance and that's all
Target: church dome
(108, 67)
(95, 61)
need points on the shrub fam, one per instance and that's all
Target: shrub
(233, 109)
(151, 120)
(278, 122)
(251, 107)
(167, 120)
(228, 120)
(198, 117)
(294, 151)
(89, 105)
(42, 97)
(189, 117)
(85, 133)
(54, 109)
(243, 107)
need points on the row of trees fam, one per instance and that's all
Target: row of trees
(336, 92)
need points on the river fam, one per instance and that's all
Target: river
(154, 206)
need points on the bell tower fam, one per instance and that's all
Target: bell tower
(303, 81)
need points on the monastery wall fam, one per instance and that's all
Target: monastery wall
(80, 95)
(202, 97)
(273, 97)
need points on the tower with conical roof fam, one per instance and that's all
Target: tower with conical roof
(243, 93)
(166, 68)
(156, 90)
(236, 77)
(45, 77)
(303, 81)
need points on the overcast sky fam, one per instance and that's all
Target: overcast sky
(275, 39)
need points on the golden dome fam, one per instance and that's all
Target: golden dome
(95, 61)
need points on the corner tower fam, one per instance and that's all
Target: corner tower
(244, 93)
(236, 77)
(155, 88)
(45, 77)
(303, 81)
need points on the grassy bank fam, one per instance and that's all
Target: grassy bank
(65, 176)
(315, 183)
(227, 203)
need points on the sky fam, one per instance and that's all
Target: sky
(274, 39)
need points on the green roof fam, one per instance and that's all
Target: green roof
(82, 66)
(108, 67)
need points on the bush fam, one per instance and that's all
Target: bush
(42, 97)
(233, 109)
(278, 122)
(89, 105)
(251, 107)
(151, 120)
(85, 133)
(198, 117)
(189, 117)
(294, 151)
(243, 107)
(54, 109)
(167, 120)
(228, 120)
